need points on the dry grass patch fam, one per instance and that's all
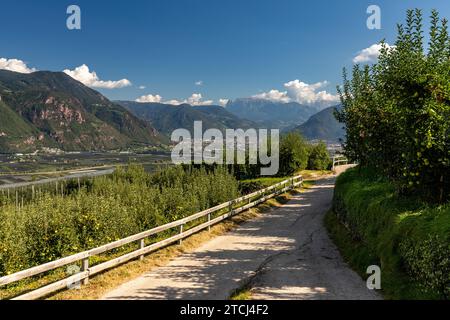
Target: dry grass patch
(243, 293)
(314, 174)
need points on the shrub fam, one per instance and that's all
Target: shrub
(294, 153)
(397, 112)
(247, 187)
(319, 158)
(429, 263)
(410, 239)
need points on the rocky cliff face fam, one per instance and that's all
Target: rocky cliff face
(46, 109)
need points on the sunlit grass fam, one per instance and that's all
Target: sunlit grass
(371, 224)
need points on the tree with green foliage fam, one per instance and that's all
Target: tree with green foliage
(319, 158)
(397, 111)
(294, 152)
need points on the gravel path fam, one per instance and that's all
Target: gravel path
(284, 254)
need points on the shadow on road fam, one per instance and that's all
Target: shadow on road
(285, 254)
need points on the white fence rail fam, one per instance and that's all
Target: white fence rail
(339, 160)
(234, 207)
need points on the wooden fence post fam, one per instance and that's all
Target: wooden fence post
(180, 242)
(141, 246)
(85, 267)
(209, 220)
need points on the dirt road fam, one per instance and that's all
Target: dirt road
(284, 254)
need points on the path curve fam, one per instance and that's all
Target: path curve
(284, 254)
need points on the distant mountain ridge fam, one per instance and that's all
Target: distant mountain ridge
(166, 118)
(323, 126)
(269, 114)
(51, 109)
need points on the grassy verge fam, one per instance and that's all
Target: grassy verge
(408, 239)
(243, 293)
(307, 174)
(314, 174)
(266, 181)
(251, 185)
(101, 284)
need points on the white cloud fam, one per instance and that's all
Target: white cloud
(274, 95)
(304, 93)
(142, 87)
(223, 102)
(301, 92)
(174, 102)
(195, 99)
(370, 54)
(15, 65)
(150, 98)
(91, 79)
(199, 83)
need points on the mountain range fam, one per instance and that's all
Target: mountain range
(166, 118)
(323, 126)
(51, 109)
(270, 114)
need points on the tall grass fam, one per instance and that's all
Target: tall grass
(409, 239)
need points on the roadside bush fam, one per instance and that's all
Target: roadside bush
(247, 187)
(319, 158)
(397, 111)
(294, 152)
(409, 238)
(429, 263)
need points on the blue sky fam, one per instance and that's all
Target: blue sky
(236, 48)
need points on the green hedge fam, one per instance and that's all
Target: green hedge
(396, 112)
(410, 240)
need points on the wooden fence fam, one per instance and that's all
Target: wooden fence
(339, 160)
(232, 207)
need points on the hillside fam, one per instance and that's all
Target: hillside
(15, 131)
(271, 114)
(52, 109)
(322, 126)
(166, 118)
